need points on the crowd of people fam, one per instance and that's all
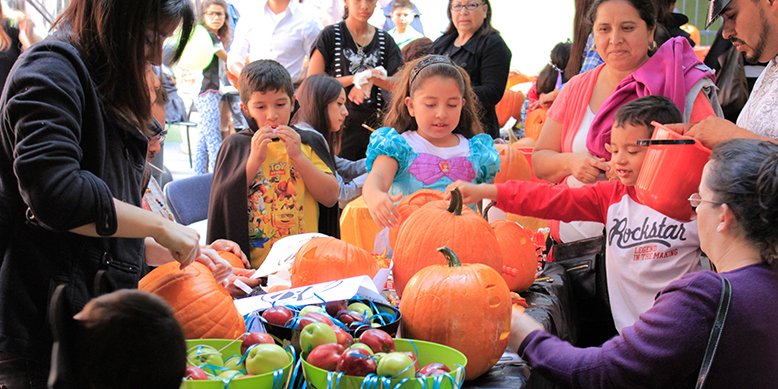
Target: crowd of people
(346, 109)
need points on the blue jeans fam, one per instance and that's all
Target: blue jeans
(20, 373)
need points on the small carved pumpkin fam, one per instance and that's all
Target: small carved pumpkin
(464, 306)
(519, 254)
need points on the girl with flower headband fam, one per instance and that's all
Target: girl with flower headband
(433, 138)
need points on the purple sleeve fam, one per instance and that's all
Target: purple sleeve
(664, 348)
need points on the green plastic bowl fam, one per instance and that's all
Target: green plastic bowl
(426, 352)
(229, 348)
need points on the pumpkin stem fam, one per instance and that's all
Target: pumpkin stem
(455, 206)
(512, 138)
(487, 208)
(451, 257)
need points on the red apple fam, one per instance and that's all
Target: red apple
(195, 373)
(325, 356)
(255, 338)
(313, 317)
(333, 307)
(344, 338)
(356, 362)
(378, 340)
(350, 317)
(433, 369)
(278, 315)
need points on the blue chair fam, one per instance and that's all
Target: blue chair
(188, 198)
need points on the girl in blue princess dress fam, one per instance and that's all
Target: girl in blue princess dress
(434, 137)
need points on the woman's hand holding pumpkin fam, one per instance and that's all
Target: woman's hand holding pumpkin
(220, 268)
(382, 209)
(232, 247)
(521, 326)
(472, 193)
(586, 168)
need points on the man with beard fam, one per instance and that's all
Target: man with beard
(752, 26)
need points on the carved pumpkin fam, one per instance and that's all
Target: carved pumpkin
(464, 306)
(513, 163)
(329, 259)
(409, 204)
(202, 307)
(519, 254)
(443, 223)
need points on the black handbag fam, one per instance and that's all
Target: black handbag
(715, 332)
(732, 84)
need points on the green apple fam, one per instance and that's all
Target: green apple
(316, 334)
(378, 356)
(361, 309)
(205, 355)
(361, 346)
(234, 363)
(264, 358)
(229, 375)
(311, 308)
(396, 365)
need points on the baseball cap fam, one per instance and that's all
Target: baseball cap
(716, 6)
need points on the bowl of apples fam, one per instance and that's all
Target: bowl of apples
(380, 361)
(252, 361)
(348, 318)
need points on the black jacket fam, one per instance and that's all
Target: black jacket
(227, 208)
(487, 59)
(62, 160)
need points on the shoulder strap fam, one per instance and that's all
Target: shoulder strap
(715, 333)
(339, 63)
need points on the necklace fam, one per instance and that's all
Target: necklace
(356, 39)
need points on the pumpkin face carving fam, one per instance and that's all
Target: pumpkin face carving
(464, 306)
(327, 259)
(519, 254)
(443, 223)
(202, 306)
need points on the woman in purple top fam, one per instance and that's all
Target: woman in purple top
(737, 207)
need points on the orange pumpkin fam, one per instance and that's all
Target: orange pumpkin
(519, 254)
(202, 307)
(464, 306)
(509, 106)
(513, 163)
(534, 122)
(516, 77)
(409, 204)
(443, 223)
(233, 259)
(329, 259)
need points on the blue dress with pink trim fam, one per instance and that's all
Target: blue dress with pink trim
(476, 161)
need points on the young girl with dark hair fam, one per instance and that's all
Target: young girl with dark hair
(323, 109)
(433, 137)
(213, 16)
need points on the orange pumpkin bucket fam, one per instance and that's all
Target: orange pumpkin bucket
(671, 172)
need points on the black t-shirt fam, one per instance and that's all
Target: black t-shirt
(9, 56)
(343, 58)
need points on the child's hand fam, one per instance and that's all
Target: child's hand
(586, 168)
(472, 193)
(259, 142)
(232, 247)
(220, 268)
(291, 140)
(243, 275)
(382, 209)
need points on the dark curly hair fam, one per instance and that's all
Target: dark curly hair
(745, 177)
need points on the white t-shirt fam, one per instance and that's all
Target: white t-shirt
(760, 115)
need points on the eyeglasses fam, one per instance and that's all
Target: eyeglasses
(695, 200)
(215, 14)
(468, 6)
(159, 133)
